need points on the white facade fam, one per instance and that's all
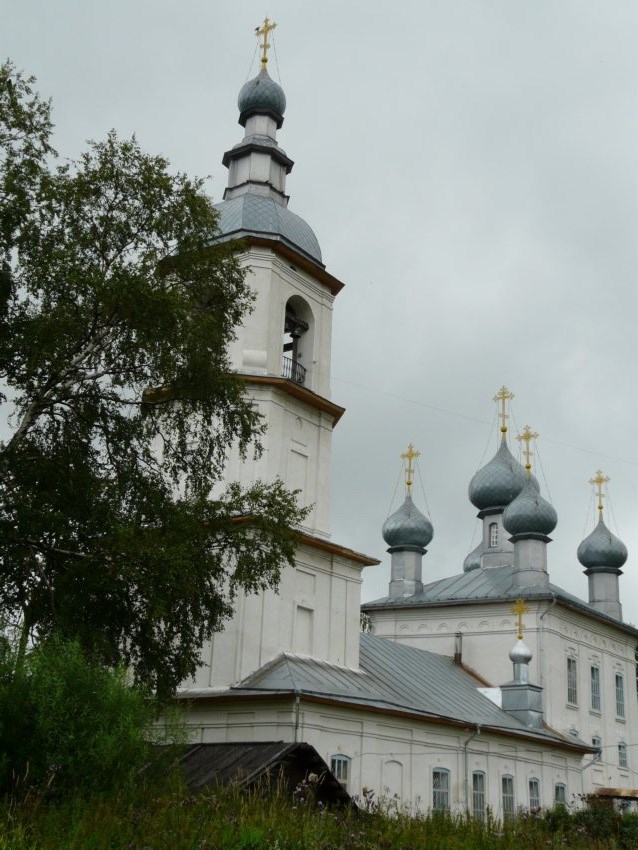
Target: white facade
(554, 633)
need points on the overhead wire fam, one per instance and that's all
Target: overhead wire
(378, 391)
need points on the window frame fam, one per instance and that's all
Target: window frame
(560, 794)
(534, 797)
(572, 680)
(508, 800)
(619, 682)
(595, 693)
(340, 768)
(493, 535)
(479, 802)
(623, 758)
(440, 795)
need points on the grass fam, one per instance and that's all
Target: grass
(251, 821)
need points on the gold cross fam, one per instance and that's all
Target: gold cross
(520, 608)
(527, 436)
(503, 395)
(598, 480)
(264, 30)
(410, 455)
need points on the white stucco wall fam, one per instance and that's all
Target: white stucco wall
(396, 755)
(553, 632)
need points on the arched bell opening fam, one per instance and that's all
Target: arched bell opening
(298, 341)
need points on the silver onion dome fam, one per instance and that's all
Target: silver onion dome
(602, 549)
(473, 560)
(498, 482)
(407, 527)
(261, 96)
(529, 513)
(520, 653)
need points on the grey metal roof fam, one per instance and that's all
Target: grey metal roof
(257, 215)
(393, 677)
(488, 584)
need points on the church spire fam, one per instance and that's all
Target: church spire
(257, 165)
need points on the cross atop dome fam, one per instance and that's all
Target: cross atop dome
(503, 396)
(526, 437)
(598, 481)
(409, 456)
(264, 30)
(519, 608)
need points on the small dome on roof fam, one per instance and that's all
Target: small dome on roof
(500, 481)
(529, 513)
(520, 653)
(261, 95)
(473, 560)
(407, 527)
(602, 549)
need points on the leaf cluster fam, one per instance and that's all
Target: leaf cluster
(117, 310)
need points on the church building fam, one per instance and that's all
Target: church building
(449, 703)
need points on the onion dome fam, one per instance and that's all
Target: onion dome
(520, 653)
(407, 527)
(529, 513)
(261, 96)
(498, 482)
(473, 560)
(602, 549)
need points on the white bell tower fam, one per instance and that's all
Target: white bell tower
(282, 352)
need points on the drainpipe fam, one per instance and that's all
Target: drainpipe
(541, 648)
(297, 701)
(467, 767)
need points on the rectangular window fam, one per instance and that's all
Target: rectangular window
(507, 785)
(572, 682)
(534, 795)
(478, 794)
(620, 696)
(622, 755)
(441, 790)
(339, 766)
(560, 794)
(595, 688)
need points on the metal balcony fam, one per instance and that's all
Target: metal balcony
(292, 370)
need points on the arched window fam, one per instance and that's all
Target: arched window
(297, 340)
(478, 794)
(440, 789)
(560, 794)
(507, 788)
(340, 766)
(534, 794)
(493, 534)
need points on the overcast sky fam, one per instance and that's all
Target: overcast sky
(469, 168)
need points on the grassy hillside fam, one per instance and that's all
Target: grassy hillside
(230, 819)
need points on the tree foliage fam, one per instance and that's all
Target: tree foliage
(67, 724)
(115, 318)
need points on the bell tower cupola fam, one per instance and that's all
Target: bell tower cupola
(603, 554)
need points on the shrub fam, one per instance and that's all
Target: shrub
(69, 724)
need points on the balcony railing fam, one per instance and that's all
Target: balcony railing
(292, 370)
